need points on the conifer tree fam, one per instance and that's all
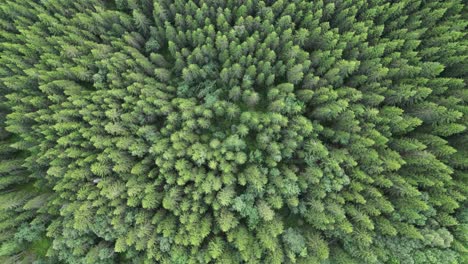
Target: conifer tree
(157, 131)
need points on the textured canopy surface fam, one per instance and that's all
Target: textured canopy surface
(206, 131)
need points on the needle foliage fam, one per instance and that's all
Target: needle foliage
(253, 131)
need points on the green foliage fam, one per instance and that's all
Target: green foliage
(156, 131)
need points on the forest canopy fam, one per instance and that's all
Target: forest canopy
(207, 131)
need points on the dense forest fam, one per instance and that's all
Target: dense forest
(233, 131)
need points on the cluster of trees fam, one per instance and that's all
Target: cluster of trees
(204, 131)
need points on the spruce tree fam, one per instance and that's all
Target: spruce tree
(156, 131)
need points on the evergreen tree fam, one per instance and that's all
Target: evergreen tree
(156, 131)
